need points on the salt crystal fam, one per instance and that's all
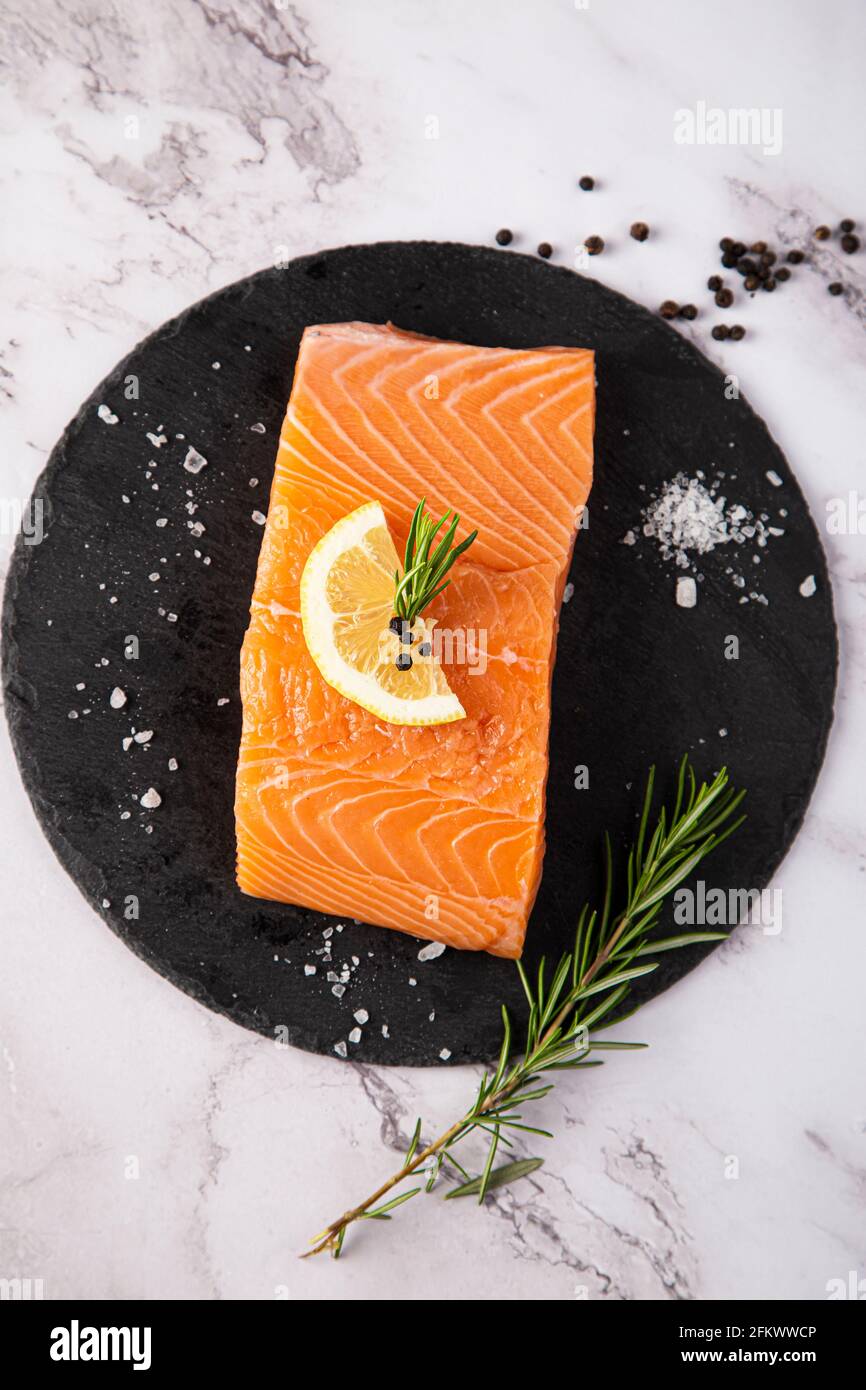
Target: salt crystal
(773, 477)
(259, 519)
(80, 685)
(723, 733)
(117, 698)
(143, 736)
(567, 592)
(355, 1035)
(808, 586)
(430, 952)
(257, 428)
(385, 1033)
(127, 744)
(340, 1049)
(445, 1054)
(162, 521)
(629, 538)
(361, 1016)
(172, 764)
(106, 415)
(223, 700)
(157, 440)
(338, 991)
(309, 970)
(154, 577)
(151, 799)
(687, 592)
(412, 981)
(194, 461)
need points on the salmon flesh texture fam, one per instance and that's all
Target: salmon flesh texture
(436, 831)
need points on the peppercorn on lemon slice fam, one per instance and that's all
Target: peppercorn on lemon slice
(347, 603)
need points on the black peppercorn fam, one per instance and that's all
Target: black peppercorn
(795, 257)
(669, 309)
(720, 332)
(688, 311)
(640, 231)
(751, 282)
(714, 282)
(724, 299)
(822, 233)
(545, 250)
(850, 244)
(594, 245)
(835, 288)
(847, 224)
(769, 283)
(729, 260)
(726, 244)
(759, 247)
(746, 266)
(783, 273)
(587, 183)
(768, 258)
(737, 332)
(504, 236)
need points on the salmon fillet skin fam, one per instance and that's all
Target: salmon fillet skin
(439, 830)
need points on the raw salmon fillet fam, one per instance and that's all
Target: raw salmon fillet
(437, 831)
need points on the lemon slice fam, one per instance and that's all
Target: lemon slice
(347, 602)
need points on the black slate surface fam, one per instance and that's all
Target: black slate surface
(637, 678)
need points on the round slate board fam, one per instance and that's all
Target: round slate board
(637, 678)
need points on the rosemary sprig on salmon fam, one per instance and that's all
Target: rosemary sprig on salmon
(566, 1014)
(425, 567)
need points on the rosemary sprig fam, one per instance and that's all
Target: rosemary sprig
(424, 568)
(611, 951)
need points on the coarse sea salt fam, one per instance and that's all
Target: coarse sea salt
(687, 591)
(194, 461)
(430, 952)
(106, 415)
(808, 586)
(117, 698)
(151, 799)
(689, 518)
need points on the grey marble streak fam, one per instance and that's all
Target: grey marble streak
(250, 62)
(150, 152)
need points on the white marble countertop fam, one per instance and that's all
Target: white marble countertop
(152, 153)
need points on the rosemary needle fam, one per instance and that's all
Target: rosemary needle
(424, 568)
(611, 950)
